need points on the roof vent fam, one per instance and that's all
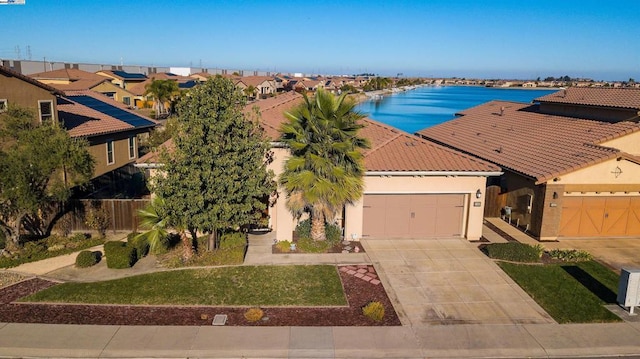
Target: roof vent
(501, 110)
(410, 144)
(564, 93)
(499, 150)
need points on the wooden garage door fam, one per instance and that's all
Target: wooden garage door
(600, 217)
(413, 215)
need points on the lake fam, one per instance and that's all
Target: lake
(427, 106)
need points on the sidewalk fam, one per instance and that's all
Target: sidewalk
(449, 341)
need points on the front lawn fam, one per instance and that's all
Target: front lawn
(318, 285)
(570, 293)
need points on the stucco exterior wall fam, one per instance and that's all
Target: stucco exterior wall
(281, 220)
(98, 149)
(472, 226)
(23, 94)
(629, 143)
(610, 172)
(119, 92)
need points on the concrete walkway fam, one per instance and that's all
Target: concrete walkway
(431, 283)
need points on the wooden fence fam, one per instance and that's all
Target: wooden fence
(122, 212)
(494, 201)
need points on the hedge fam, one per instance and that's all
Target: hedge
(514, 251)
(88, 258)
(120, 255)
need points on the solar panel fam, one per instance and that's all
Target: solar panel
(113, 111)
(128, 75)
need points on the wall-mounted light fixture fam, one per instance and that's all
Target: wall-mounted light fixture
(478, 194)
(555, 195)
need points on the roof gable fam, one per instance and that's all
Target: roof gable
(517, 137)
(11, 73)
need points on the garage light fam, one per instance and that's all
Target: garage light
(478, 194)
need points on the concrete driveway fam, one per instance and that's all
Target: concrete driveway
(449, 281)
(617, 253)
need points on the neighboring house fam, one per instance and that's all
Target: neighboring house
(122, 78)
(20, 90)
(110, 128)
(78, 80)
(263, 85)
(571, 161)
(139, 90)
(413, 188)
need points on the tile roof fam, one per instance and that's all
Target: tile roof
(398, 151)
(537, 145)
(254, 80)
(11, 73)
(391, 150)
(123, 75)
(601, 97)
(79, 85)
(65, 74)
(83, 121)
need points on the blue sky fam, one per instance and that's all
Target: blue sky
(509, 39)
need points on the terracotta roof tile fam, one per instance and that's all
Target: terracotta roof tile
(65, 74)
(82, 121)
(609, 97)
(391, 150)
(537, 145)
(79, 85)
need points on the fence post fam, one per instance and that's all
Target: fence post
(113, 216)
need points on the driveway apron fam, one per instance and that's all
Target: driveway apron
(449, 281)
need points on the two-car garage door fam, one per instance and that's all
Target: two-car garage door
(413, 215)
(600, 217)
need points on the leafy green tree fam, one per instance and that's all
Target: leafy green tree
(39, 164)
(217, 175)
(326, 167)
(161, 91)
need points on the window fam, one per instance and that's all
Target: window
(111, 95)
(3, 105)
(46, 111)
(132, 147)
(110, 157)
(126, 101)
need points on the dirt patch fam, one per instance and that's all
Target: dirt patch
(358, 292)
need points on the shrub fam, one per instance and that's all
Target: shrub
(308, 245)
(374, 311)
(513, 251)
(120, 255)
(88, 258)
(97, 218)
(570, 255)
(64, 224)
(232, 240)
(253, 314)
(332, 231)
(141, 244)
(284, 246)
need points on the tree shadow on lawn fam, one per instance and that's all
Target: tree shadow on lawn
(593, 285)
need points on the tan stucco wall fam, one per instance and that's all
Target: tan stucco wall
(98, 149)
(281, 220)
(23, 94)
(604, 173)
(120, 93)
(472, 226)
(629, 143)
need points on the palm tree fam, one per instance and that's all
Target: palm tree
(154, 219)
(249, 91)
(326, 166)
(161, 91)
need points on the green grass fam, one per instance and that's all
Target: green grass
(318, 285)
(570, 293)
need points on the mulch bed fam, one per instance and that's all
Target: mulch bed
(357, 291)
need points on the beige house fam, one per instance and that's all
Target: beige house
(571, 161)
(263, 85)
(413, 188)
